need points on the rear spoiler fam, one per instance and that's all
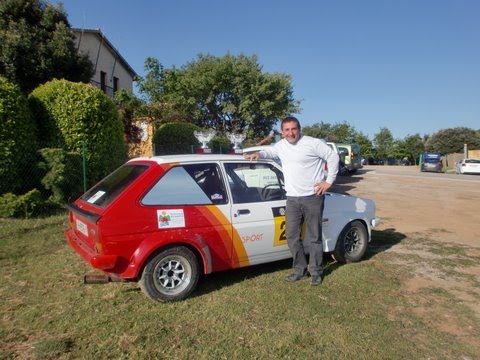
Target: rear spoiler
(86, 214)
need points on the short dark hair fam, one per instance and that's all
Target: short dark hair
(290, 119)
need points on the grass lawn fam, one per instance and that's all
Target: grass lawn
(359, 312)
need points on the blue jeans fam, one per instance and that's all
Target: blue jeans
(308, 210)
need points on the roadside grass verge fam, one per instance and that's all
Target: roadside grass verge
(361, 311)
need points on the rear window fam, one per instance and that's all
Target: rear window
(355, 149)
(472, 161)
(110, 187)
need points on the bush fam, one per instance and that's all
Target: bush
(12, 205)
(76, 115)
(63, 174)
(175, 138)
(17, 139)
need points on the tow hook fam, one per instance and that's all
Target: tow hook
(99, 279)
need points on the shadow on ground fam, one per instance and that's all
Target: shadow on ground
(381, 241)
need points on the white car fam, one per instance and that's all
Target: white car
(468, 166)
(167, 220)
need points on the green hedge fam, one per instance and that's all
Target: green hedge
(73, 115)
(18, 135)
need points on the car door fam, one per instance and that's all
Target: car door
(258, 210)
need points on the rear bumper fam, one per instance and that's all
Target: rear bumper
(97, 261)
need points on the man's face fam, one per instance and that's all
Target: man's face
(291, 132)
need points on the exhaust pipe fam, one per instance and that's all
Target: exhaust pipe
(99, 279)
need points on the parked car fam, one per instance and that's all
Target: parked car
(353, 157)
(468, 166)
(431, 162)
(165, 221)
(350, 157)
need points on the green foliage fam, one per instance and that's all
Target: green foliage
(129, 107)
(74, 116)
(17, 138)
(339, 132)
(12, 205)
(37, 45)
(63, 174)
(226, 94)
(175, 138)
(383, 143)
(449, 141)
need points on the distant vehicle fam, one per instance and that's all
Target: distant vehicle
(468, 166)
(431, 162)
(353, 158)
(350, 157)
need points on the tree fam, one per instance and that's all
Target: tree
(413, 147)
(383, 142)
(37, 45)
(230, 93)
(340, 132)
(449, 141)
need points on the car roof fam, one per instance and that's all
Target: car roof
(166, 159)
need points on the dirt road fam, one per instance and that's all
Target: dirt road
(444, 207)
(437, 217)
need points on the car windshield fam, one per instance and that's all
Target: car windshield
(472, 161)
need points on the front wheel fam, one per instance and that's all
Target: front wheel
(171, 275)
(352, 243)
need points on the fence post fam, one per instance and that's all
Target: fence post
(84, 168)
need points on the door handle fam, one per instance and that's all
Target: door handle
(242, 212)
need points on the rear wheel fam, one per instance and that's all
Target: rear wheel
(352, 243)
(171, 275)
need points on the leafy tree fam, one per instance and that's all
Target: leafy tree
(449, 141)
(17, 139)
(319, 130)
(365, 145)
(129, 107)
(37, 45)
(230, 93)
(340, 132)
(413, 146)
(383, 143)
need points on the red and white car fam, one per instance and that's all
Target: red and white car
(165, 221)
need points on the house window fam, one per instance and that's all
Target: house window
(103, 77)
(115, 84)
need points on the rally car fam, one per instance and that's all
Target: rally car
(165, 221)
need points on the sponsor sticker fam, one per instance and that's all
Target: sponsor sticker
(173, 218)
(96, 196)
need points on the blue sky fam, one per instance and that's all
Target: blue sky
(412, 66)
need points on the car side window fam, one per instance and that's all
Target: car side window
(255, 182)
(198, 184)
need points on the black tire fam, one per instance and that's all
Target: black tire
(351, 243)
(170, 275)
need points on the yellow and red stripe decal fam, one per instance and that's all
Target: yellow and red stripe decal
(228, 233)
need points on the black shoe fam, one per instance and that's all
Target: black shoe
(293, 277)
(316, 280)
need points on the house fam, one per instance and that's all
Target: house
(112, 72)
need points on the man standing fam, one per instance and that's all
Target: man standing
(306, 182)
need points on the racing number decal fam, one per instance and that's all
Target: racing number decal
(279, 218)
